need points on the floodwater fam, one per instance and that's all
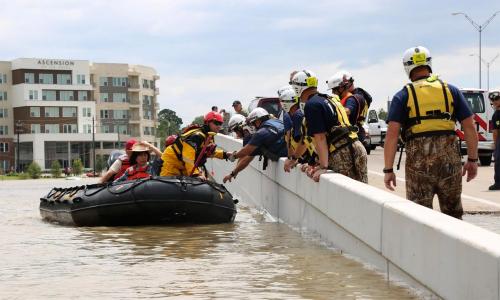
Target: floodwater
(250, 259)
(490, 221)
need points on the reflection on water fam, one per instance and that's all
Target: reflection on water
(250, 259)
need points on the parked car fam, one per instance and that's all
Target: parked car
(483, 113)
(271, 104)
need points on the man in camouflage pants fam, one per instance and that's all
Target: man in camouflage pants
(344, 159)
(427, 109)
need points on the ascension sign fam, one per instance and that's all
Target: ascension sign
(54, 62)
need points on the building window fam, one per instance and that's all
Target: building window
(35, 112)
(86, 112)
(80, 78)
(35, 128)
(123, 129)
(49, 95)
(3, 78)
(63, 78)
(104, 97)
(105, 128)
(4, 147)
(119, 97)
(70, 128)
(145, 83)
(45, 78)
(3, 96)
(69, 112)
(52, 112)
(66, 95)
(4, 130)
(51, 128)
(33, 95)
(103, 81)
(87, 128)
(152, 84)
(120, 81)
(82, 95)
(3, 112)
(147, 114)
(104, 114)
(120, 114)
(29, 77)
(147, 100)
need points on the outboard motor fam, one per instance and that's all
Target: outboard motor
(114, 156)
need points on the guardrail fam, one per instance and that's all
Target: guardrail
(425, 248)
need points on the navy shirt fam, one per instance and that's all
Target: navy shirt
(352, 105)
(287, 121)
(399, 110)
(264, 137)
(297, 119)
(319, 115)
(496, 119)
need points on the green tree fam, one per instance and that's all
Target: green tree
(382, 114)
(34, 170)
(169, 123)
(55, 169)
(77, 167)
(198, 120)
(99, 164)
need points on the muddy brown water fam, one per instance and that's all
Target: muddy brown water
(253, 258)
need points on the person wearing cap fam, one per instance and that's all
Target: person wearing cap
(238, 108)
(139, 161)
(187, 156)
(495, 102)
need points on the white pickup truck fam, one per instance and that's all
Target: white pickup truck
(374, 129)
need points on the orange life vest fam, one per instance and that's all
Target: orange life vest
(125, 165)
(135, 172)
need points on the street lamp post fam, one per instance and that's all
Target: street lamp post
(488, 65)
(93, 144)
(479, 28)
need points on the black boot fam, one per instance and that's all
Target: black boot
(494, 187)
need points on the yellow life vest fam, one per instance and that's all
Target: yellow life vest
(430, 106)
(343, 128)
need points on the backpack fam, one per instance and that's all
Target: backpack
(362, 96)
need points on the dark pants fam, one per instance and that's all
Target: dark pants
(497, 162)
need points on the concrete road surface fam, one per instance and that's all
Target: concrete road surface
(475, 194)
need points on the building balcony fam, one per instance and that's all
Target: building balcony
(156, 77)
(157, 91)
(134, 87)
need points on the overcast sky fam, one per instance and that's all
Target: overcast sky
(213, 52)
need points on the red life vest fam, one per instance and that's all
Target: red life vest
(135, 172)
(125, 165)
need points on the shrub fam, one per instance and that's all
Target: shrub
(99, 164)
(24, 176)
(34, 170)
(55, 169)
(77, 167)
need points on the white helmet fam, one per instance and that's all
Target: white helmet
(236, 121)
(256, 114)
(287, 97)
(341, 79)
(303, 80)
(416, 57)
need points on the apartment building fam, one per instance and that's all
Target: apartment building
(50, 108)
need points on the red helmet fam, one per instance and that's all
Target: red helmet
(170, 140)
(212, 116)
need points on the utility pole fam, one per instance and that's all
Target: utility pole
(18, 130)
(93, 145)
(480, 29)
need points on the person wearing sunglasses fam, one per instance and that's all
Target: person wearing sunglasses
(495, 102)
(188, 154)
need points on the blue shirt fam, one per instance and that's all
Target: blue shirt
(319, 115)
(398, 111)
(297, 119)
(352, 104)
(287, 121)
(273, 141)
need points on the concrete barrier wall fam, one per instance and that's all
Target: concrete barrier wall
(426, 249)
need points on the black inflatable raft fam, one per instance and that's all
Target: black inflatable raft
(157, 200)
